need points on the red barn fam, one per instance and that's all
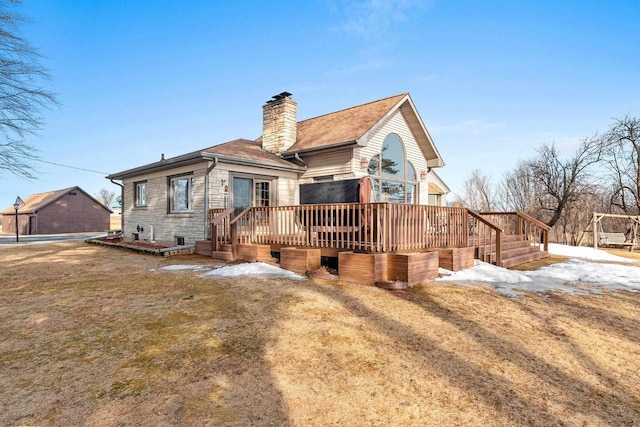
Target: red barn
(71, 210)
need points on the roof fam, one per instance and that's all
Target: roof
(239, 151)
(244, 149)
(349, 126)
(439, 185)
(342, 126)
(36, 202)
(354, 125)
(434, 189)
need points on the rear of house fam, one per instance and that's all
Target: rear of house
(384, 140)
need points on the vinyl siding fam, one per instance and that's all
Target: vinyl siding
(338, 162)
(398, 125)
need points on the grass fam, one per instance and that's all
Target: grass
(101, 336)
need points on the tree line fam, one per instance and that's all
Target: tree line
(602, 175)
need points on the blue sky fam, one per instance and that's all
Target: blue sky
(492, 80)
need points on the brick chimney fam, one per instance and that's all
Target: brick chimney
(279, 123)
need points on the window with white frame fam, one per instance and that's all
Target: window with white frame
(181, 194)
(394, 177)
(140, 194)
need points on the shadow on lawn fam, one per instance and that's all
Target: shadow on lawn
(488, 387)
(139, 348)
(579, 395)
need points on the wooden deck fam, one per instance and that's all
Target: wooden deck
(501, 238)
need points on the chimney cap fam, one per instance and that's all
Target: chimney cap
(279, 96)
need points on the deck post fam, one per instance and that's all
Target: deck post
(233, 230)
(498, 248)
(214, 238)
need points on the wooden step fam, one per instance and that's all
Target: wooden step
(513, 252)
(505, 238)
(521, 259)
(223, 255)
(510, 246)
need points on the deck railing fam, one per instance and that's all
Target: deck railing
(370, 227)
(521, 224)
(375, 227)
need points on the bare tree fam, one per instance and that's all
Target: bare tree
(22, 95)
(623, 161)
(562, 181)
(479, 194)
(106, 197)
(578, 213)
(519, 191)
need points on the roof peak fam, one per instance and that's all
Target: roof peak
(400, 95)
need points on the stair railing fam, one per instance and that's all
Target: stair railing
(219, 227)
(241, 230)
(485, 237)
(537, 232)
(521, 224)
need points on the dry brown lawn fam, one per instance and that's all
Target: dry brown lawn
(100, 336)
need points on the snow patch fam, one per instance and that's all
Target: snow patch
(254, 269)
(576, 276)
(178, 267)
(585, 253)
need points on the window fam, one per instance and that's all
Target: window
(394, 177)
(181, 194)
(435, 199)
(140, 194)
(250, 192)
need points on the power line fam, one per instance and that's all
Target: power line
(70, 167)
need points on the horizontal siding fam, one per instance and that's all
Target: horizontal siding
(397, 124)
(337, 162)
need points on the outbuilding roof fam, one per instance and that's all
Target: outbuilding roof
(36, 202)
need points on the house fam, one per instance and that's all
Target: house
(70, 210)
(357, 184)
(385, 140)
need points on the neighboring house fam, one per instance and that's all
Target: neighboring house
(71, 210)
(385, 140)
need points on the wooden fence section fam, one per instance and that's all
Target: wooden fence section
(521, 224)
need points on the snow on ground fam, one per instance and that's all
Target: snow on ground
(587, 270)
(254, 269)
(585, 253)
(178, 267)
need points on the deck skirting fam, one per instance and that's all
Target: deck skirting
(369, 269)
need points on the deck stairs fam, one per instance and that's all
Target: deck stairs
(225, 253)
(516, 250)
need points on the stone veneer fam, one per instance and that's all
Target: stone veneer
(167, 226)
(279, 125)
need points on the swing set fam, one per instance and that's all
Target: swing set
(628, 238)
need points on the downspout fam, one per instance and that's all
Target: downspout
(206, 197)
(297, 157)
(121, 204)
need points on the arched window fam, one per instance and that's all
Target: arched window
(393, 175)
